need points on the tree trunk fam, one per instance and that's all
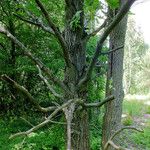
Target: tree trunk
(80, 137)
(12, 59)
(114, 85)
(74, 72)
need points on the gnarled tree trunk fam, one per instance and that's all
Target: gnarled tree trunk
(76, 46)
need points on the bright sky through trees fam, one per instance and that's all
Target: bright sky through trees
(141, 12)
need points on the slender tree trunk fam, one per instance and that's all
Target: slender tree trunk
(114, 85)
(12, 59)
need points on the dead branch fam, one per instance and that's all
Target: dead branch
(115, 146)
(35, 60)
(48, 120)
(113, 50)
(122, 12)
(35, 22)
(56, 122)
(110, 141)
(56, 31)
(97, 30)
(27, 121)
(26, 93)
(99, 104)
(48, 85)
(69, 116)
(124, 128)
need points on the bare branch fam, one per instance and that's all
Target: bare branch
(29, 131)
(124, 128)
(122, 12)
(110, 142)
(35, 22)
(99, 104)
(113, 50)
(48, 120)
(27, 121)
(97, 30)
(48, 85)
(115, 146)
(56, 31)
(35, 60)
(69, 116)
(56, 122)
(25, 92)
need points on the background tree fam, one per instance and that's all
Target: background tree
(113, 109)
(135, 50)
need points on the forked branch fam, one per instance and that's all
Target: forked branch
(48, 120)
(110, 141)
(113, 50)
(56, 31)
(26, 93)
(99, 104)
(35, 22)
(122, 12)
(97, 30)
(35, 60)
(48, 85)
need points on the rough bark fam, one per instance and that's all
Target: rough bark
(113, 109)
(76, 49)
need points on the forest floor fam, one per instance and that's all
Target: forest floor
(136, 112)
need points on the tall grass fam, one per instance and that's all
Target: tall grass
(134, 108)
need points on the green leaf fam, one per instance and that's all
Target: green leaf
(75, 23)
(113, 3)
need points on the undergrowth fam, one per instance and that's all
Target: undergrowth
(46, 138)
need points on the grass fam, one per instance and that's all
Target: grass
(143, 139)
(137, 109)
(133, 107)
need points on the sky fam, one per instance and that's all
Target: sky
(141, 12)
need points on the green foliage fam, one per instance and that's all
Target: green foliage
(135, 61)
(136, 109)
(113, 3)
(96, 130)
(90, 9)
(95, 144)
(133, 107)
(44, 139)
(96, 92)
(55, 9)
(127, 121)
(148, 110)
(97, 86)
(143, 139)
(43, 46)
(75, 22)
(91, 45)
